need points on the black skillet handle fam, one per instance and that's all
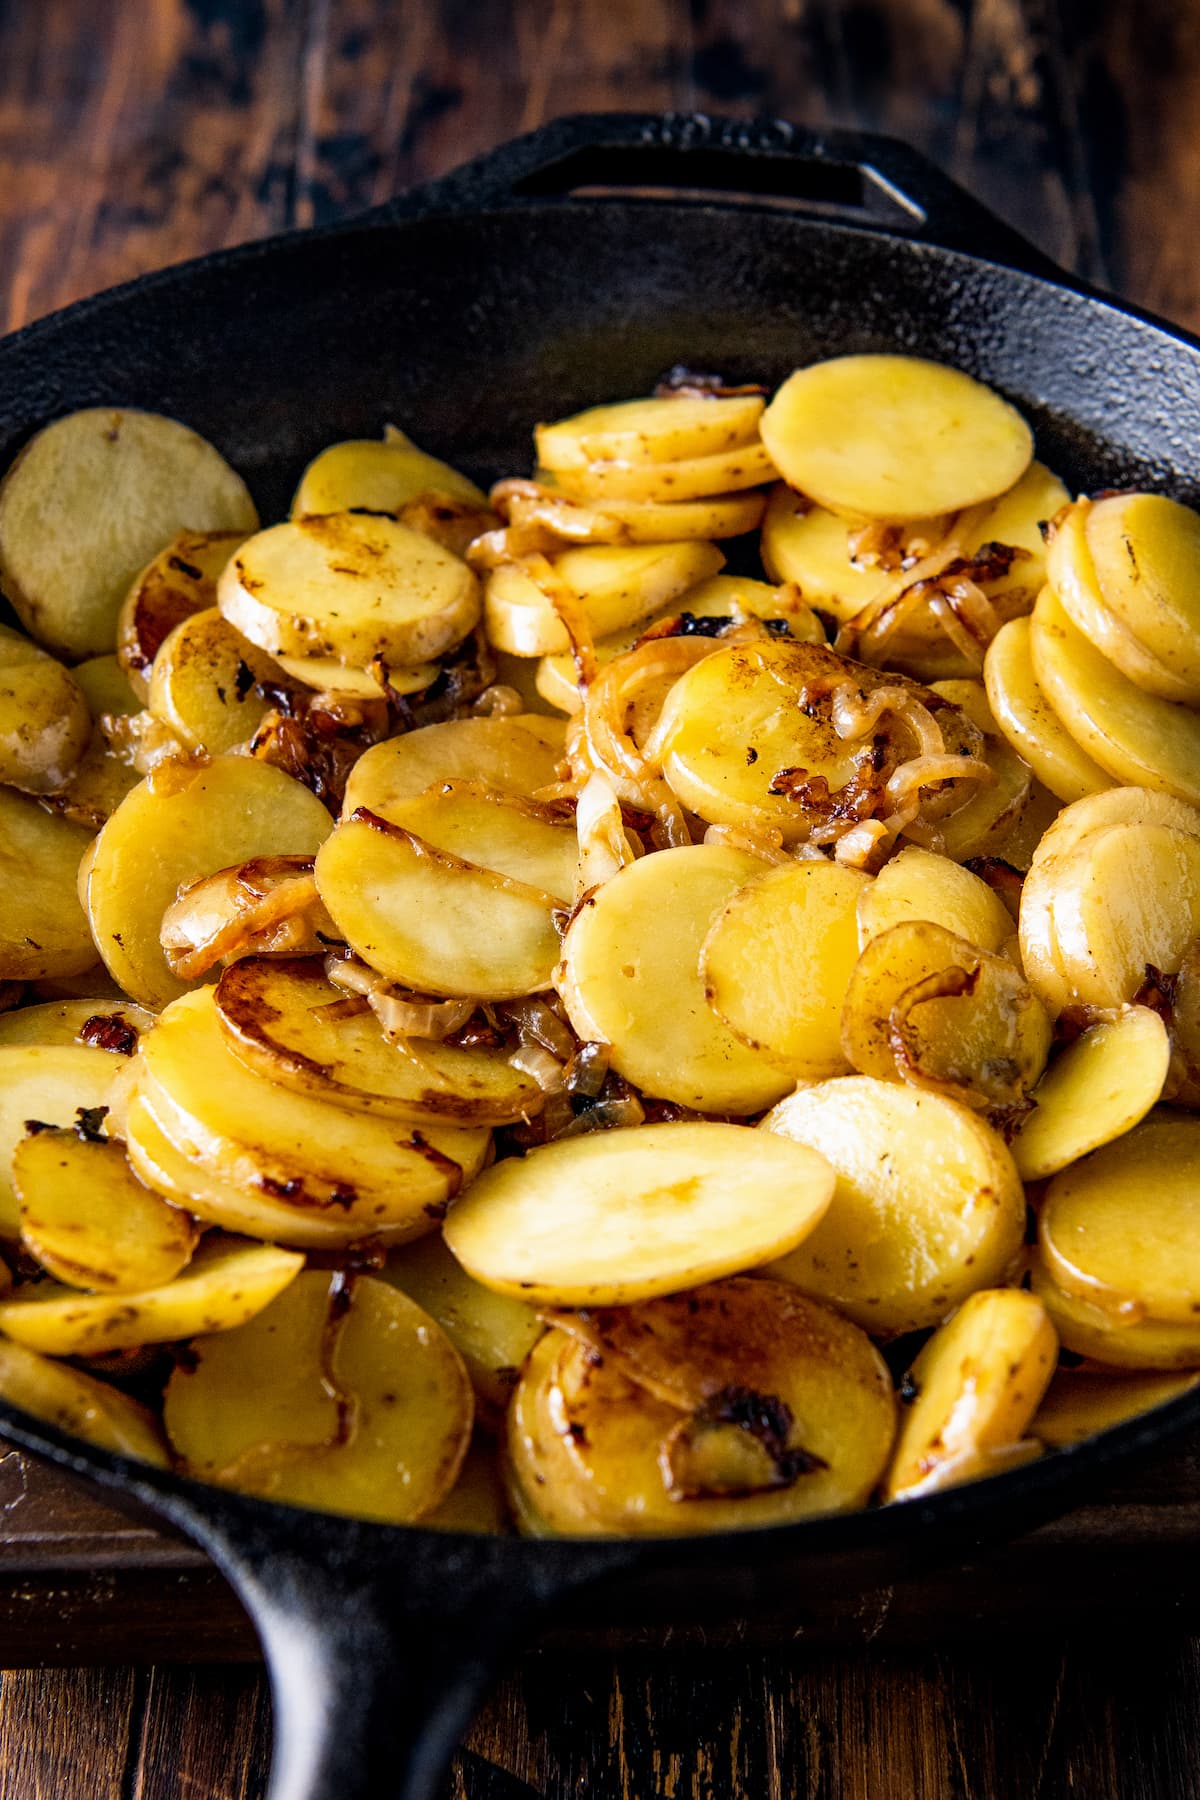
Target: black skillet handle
(851, 177)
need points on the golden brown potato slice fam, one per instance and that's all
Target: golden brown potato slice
(979, 1381)
(810, 545)
(89, 1220)
(1030, 723)
(630, 977)
(86, 504)
(45, 725)
(376, 1176)
(226, 1283)
(994, 811)
(1126, 899)
(431, 921)
(342, 1395)
(671, 521)
(1080, 1403)
(928, 1204)
(377, 475)
(659, 483)
(1117, 1341)
(202, 684)
(186, 820)
(894, 437)
(617, 1216)
(917, 884)
(1118, 1230)
(1145, 552)
(1115, 806)
(477, 1501)
(493, 1333)
(286, 1021)
(326, 676)
(671, 429)
(533, 844)
(103, 1023)
(542, 1489)
(1073, 578)
(616, 586)
(515, 755)
(351, 586)
(778, 959)
(49, 1083)
(179, 581)
(1099, 1088)
(43, 930)
(72, 1401)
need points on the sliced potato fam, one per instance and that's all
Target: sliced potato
(1115, 806)
(1125, 899)
(342, 1395)
(377, 475)
(477, 1501)
(894, 437)
(514, 755)
(1132, 734)
(979, 1381)
(1119, 1229)
(49, 1083)
(376, 1176)
(926, 1007)
(202, 685)
(517, 838)
(542, 1489)
(994, 811)
(1030, 723)
(103, 1023)
(43, 930)
(278, 1014)
(103, 777)
(493, 1333)
(671, 521)
(72, 1401)
(326, 676)
(928, 1204)
(89, 1220)
(1097, 1090)
(810, 545)
(630, 977)
(618, 1216)
(1019, 844)
(1080, 1403)
(1073, 577)
(1117, 1341)
(617, 586)
(917, 884)
(351, 586)
(106, 686)
(179, 581)
(426, 918)
(226, 1283)
(672, 429)
(184, 821)
(1145, 551)
(778, 959)
(659, 483)
(45, 725)
(1038, 937)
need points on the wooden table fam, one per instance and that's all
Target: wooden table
(135, 134)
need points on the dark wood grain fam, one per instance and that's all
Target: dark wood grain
(135, 135)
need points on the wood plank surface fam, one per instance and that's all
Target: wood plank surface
(132, 135)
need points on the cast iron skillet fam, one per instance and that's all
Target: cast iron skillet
(572, 266)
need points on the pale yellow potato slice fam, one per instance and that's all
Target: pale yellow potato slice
(894, 437)
(1119, 1229)
(379, 1175)
(179, 581)
(1126, 898)
(477, 1502)
(88, 1219)
(1145, 550)
(184, 821)
(630, 977)
(617, 1216)
(671, 521)
(43, 930)
(928, 1204)
(351, 586)
(49, 1083)
(1097, 1090)
(281, 1017)
(674, 428)
(778, 959)
(659, 483)
(343, 1395)
(377, 475)
(432, 921)
(493, 1333)
(514, 755)
(202, 684)
(617, 586)
(72, 1401)
(103, 777)
(1030, 723)
(106, 686)
(1115, 806)
(979, 1381)
(926, 1007)
(89, 500)
(226, 1283)
(810, 545)
(1113, 1340)
(326, 676)
(502, 832)
(1019, 844)
(1041, 957)
(917, 884)
(1078, 1404)
(993, 812)
(1134, 735)
(103, 1023)
(45, 725)
(1072, 575)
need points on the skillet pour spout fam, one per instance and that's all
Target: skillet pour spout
(574, 266)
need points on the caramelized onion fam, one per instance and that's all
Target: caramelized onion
(267, 904)
(401, 1013)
